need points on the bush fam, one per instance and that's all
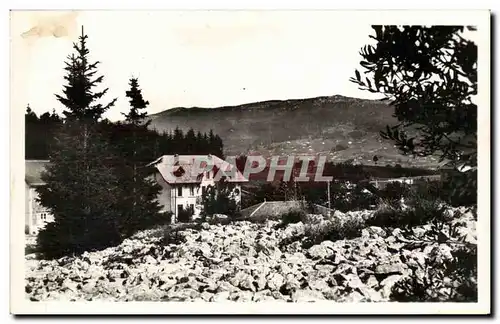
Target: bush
(458, 189)
(333, 231)
(173, 237)
(221, 199)
(350, 198)
(174, 234)
(395, 191)
(417, 212)
(185, 215)
(441, 279)
(348, 229)
(55, 242)
(293, 216)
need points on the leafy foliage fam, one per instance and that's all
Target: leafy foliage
(220, 198)
(292, 217)
(415, 210)
(333, 231)
(185, 215)
(441, 278)
(429, 74)
(395, 191)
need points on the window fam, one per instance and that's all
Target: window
(191, 191)
(179, 191)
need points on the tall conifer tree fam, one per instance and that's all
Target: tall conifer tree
(82, 190)
(140, 196)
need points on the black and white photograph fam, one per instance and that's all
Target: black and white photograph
(282, 162)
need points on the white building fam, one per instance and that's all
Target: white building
(382, 183)
(182, 185)
(36, 216)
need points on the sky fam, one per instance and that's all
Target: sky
(186, 59)
(190, 58)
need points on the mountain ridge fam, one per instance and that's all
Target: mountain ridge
(343, 128)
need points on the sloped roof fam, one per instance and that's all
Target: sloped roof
(182, 167)
(33, 172)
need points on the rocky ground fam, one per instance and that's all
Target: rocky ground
(241, 262)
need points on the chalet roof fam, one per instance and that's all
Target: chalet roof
(182, 167)
(33, 172)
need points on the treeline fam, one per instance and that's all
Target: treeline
(40, 132)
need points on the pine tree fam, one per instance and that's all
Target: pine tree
(140, 196)
(135, 116)
(190, 141)
(199, 143)
(211, 142)
(218, 147)
(178, 141)
(31, 129)
(82, 190)
(39, 133)
(30, 116)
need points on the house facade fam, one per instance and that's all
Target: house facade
(36, 216)
(183, 185)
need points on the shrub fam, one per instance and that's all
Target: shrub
(54, 242)
(217, 220)
(424, 212)
(220, 199)
(395, 191)
(441, 279)
(159, 219)
(359, 199)
(174, 234)
(185, 215)
(172, 237)
(404, 206)
(293, 216)
(457, 189)
(417, 212)
(345, 197)
(333, 231)
(348, 229)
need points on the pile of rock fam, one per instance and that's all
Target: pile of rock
(239, 262)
